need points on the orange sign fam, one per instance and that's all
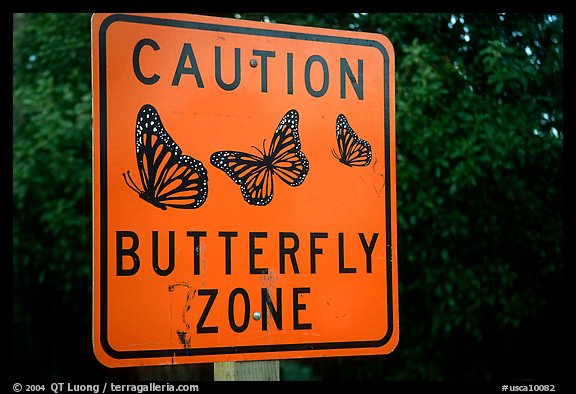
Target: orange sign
(244, 191)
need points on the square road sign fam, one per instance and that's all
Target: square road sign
(244, 193)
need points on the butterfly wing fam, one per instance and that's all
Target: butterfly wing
(288, 161)
(185, 184)
(250, 172)
(169, 179)
(353, 151)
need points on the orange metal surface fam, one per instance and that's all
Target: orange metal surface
(244, 191)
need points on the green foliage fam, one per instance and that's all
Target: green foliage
(479, 186)
(479, 125)
(52, 150)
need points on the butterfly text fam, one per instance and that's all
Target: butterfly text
(290, 257)
(315, 75)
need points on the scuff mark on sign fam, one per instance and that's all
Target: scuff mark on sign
(269, 279)
(183, 334)
(378, 190)
(374, 163)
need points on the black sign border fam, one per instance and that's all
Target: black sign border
(187, 352)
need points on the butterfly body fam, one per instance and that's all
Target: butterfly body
(268, 162)
(148, 196)
(353, 151)
(341, 159)
(168, 178)
(255, 173)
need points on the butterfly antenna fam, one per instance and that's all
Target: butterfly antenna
(335, 155)
(131, 184)
(263, 148)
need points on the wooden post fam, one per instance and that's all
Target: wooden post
(268, 370)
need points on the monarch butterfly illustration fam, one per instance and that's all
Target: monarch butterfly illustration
(169, 178)
(255, 174)
(352, 150)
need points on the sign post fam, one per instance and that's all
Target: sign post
(268, 370)
(244, 191)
